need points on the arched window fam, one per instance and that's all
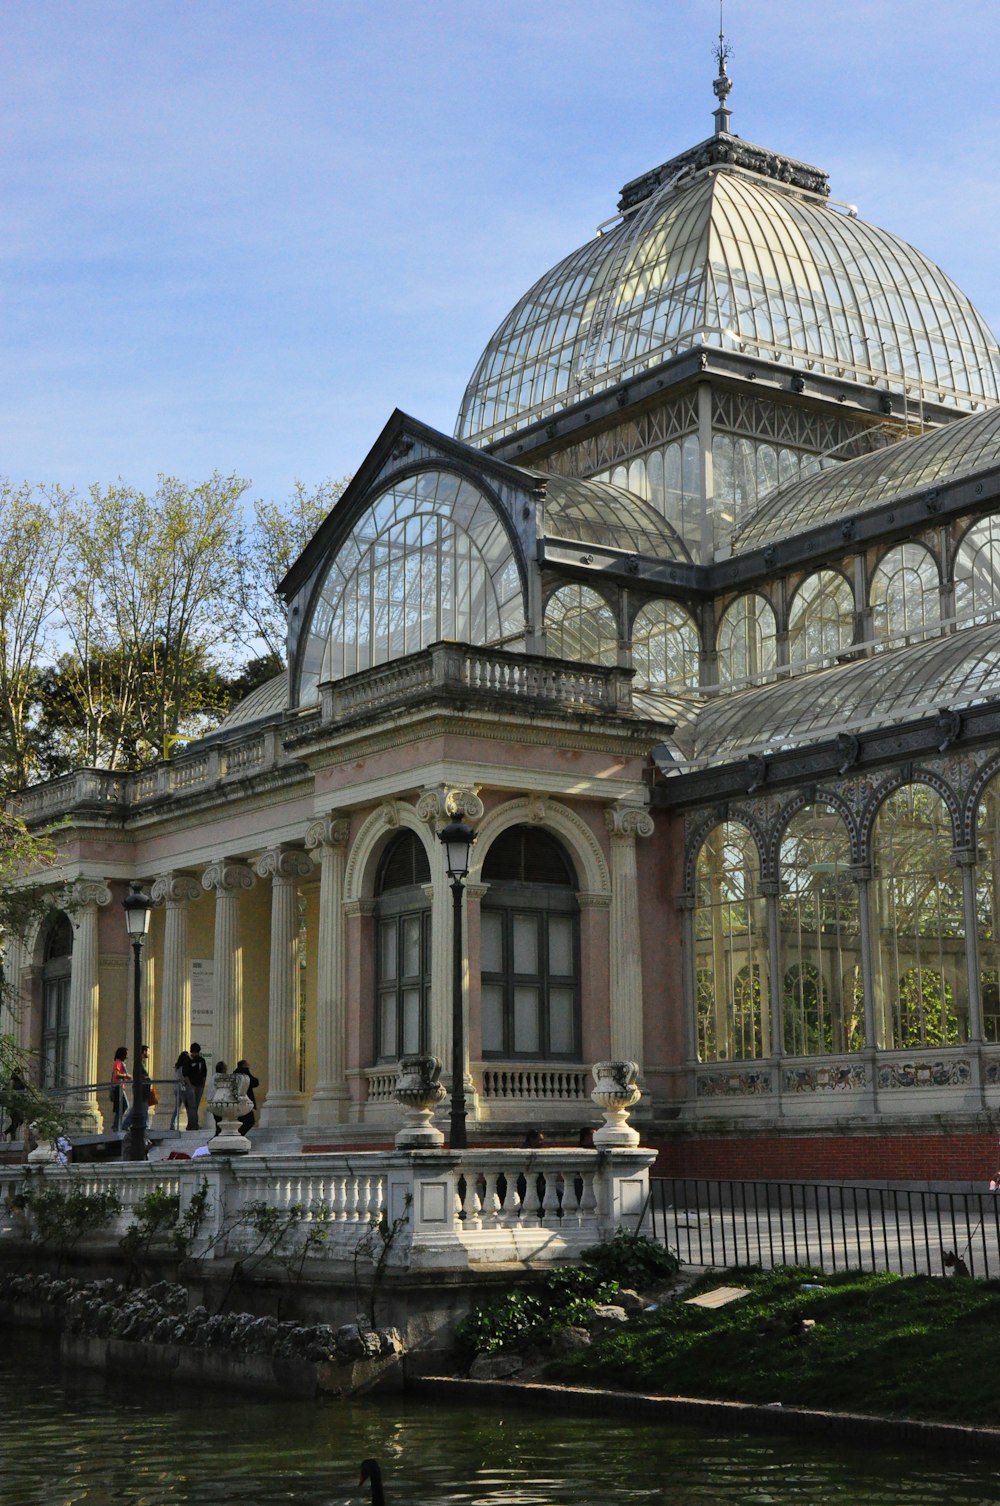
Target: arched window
(921, 998)
(429, 559)
(905, 595)
(819, 933)
(664, 647)
(57, 957)
(747, 642)
(580, 625)
(977, 572)
(730, 948)
(821, 622)
(403, 949)
(529, 949)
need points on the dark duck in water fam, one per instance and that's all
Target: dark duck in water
(371, 1470)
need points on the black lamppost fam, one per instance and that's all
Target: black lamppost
(458, 839)
(137, 906)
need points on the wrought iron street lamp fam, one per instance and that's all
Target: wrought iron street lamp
(457, 839)
(138, 907)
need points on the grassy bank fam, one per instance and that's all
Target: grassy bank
(892, 1346)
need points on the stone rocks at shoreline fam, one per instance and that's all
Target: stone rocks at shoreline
(159, 1314)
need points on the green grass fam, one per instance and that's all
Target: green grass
(890, 1346)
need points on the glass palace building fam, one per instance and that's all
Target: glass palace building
(695, 619)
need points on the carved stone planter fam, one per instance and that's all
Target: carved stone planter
(616, 1091)
(229, 1103)
(420, 1092)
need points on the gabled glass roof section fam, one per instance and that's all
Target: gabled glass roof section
(595, 512)
(720, 255)
(958, 449)
(956, 672)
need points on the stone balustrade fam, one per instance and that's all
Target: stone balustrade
(455, 1210)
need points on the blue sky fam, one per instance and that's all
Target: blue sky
(237, 235)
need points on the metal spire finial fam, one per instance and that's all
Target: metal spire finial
(723, 83)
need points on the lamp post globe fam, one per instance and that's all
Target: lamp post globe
(138, 908)
(457, 840)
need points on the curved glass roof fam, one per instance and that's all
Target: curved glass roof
(267, 699)
(595, 512)
(957, 449)
(733, 261)
(960, 670)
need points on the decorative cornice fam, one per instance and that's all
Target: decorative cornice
(175, 889)
(284, 865)
(226, 876)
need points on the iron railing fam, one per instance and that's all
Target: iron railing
(830, 1227)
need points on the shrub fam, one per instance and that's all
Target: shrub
(526, 1317)
(632, 1260)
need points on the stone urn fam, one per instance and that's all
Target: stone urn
(45, 1152)
(229, 1103)
(420, 1092)
(616, 1091)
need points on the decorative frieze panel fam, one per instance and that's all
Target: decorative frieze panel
(738, 1084)
(649, 430)
(781, 423)
(925, 1074)
(834, 1077)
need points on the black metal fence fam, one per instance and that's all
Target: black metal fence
(830, 1227)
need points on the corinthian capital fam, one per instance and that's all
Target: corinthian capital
(628, 821)
(226, 876)
(284, 864)
(85, 892)
(329, 831)
(175, 889)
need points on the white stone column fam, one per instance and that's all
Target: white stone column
(227, 878)
(330, 1098)
(284, 1103)
(624, 824)
(82, 901)
(174, 891)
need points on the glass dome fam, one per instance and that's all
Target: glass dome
(732, 260)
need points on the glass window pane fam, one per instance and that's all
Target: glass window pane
(561, 946)
(411, 1021)
(491, 942)
(387, 1027)
(411, 946)
(387, 942)
(561, 1013)
(526, 944)
(491, 1021)
(527, 1037)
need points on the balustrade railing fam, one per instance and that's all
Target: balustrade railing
(529, 1084)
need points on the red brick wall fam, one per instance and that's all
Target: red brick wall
(861, 1158)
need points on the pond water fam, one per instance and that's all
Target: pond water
(69, 1438)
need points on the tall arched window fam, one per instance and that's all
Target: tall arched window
(819, 934)
(731, 948)
(921, 998)
(664, 647)
(747, 641)
(580, 625)
(530, 949)
(430, 558)
(403, 949)
(57, 957)
(977, 572)
(905, 596)
(821, 622)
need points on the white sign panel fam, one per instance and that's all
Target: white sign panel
(203, 1005)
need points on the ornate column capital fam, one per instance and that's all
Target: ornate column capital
(476, 891)
(227, 876)
(174, 889)
(360, 906)
(284, 864)
(593, 901)
(440, 801)
(85, 892)
(331, 830)
(965, 857)
(628, 821)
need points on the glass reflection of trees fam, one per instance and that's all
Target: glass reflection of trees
(988, 908)
(746, 642)
(820, 937)
(921, 998)
(664, 647)
(580, 625)
(731, 948)
(821, 622)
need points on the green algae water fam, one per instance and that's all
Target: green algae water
(69, 1438)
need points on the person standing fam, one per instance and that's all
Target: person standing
(184, 1093)
(197, 1075)
(119, 1077)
